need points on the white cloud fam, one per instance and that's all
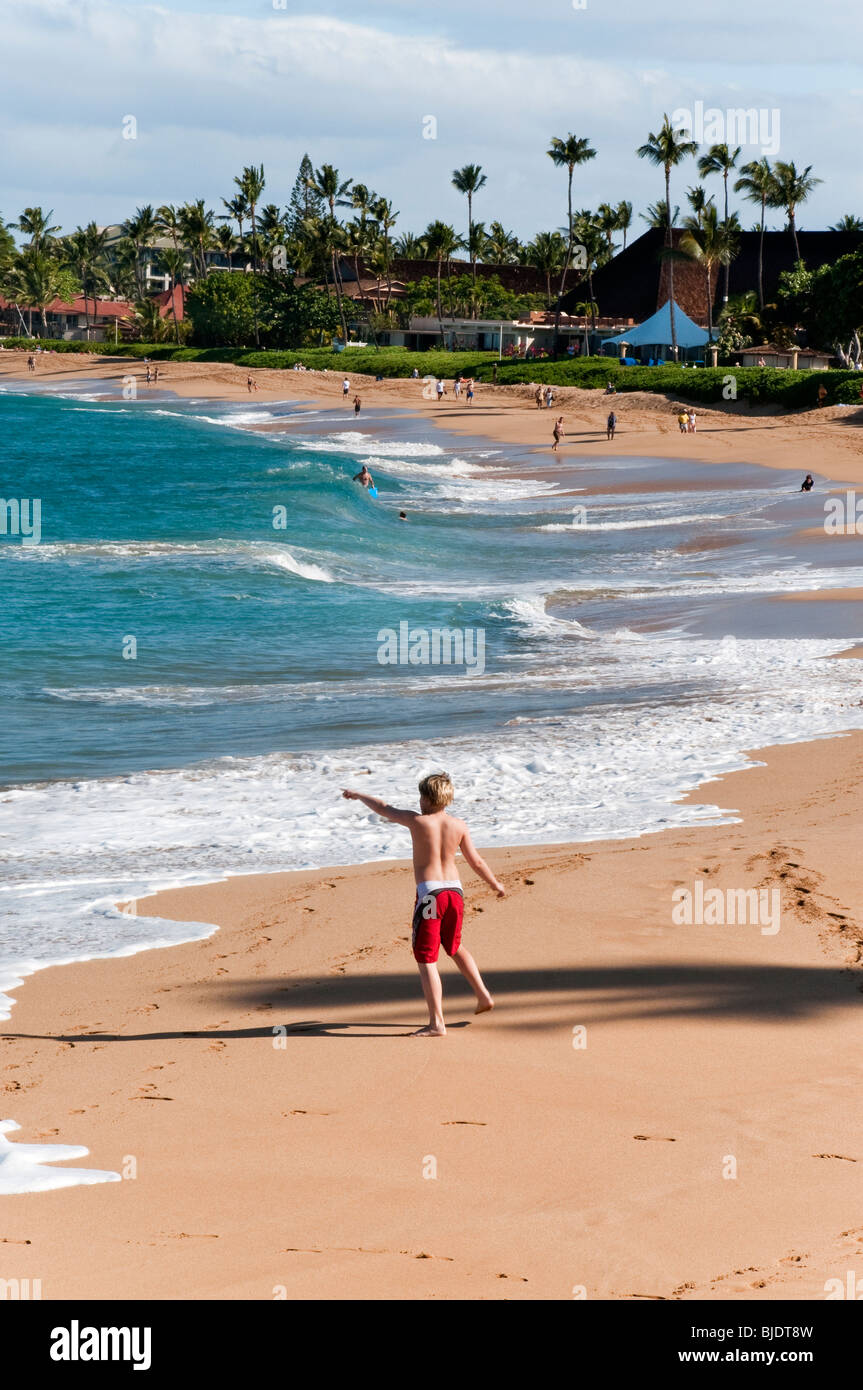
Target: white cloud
(214, 91)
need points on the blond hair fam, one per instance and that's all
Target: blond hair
(438, 789)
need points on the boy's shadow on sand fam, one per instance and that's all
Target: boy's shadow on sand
(529, 1000)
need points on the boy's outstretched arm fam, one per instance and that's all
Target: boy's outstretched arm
(479, 865)
(381, 808)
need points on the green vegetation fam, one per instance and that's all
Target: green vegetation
(707, 385)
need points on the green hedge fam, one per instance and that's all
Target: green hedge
(708, 385)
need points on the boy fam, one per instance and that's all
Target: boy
(439, 903)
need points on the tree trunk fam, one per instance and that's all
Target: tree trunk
(338, 287)
(566, 261)
(709, 308)
(728, 262)
(255, 283)
(793, 224)
(669, 241)
(761, 256)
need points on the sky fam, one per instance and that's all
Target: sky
(208, 86)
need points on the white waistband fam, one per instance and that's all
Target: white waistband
(434, 885)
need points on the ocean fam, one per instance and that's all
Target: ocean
(191, 653)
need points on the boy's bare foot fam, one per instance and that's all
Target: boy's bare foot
(430, 1031)
(485, 1005)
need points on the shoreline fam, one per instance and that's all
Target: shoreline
(105, 994)
(698, 1047)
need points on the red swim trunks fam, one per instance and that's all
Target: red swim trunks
(437, 918)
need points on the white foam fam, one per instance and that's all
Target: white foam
(26, 1167)
(243, 554)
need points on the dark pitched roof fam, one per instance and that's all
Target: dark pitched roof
(633, 284)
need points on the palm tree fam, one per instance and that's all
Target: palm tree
(251, 184)
(624, 218)
(667, 149)
(720, 160)
(227, 244)
(568, 154)
(592, 237)
(149, 317)
(503, 247)
(711, 243)
(699, 202)
(326, 183)
(386, 218)
(197, 232)
(174, 261)
(848, 223)
(35, 224)
(441, 241)
(607, 221)
(547, 253)
(757, 185)
(657, 215)
(791, 187)
(237, 211)
(469, 181)
(141, 230)
(85, 253)
(37, 279)
(410, 248)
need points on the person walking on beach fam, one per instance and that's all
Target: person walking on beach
(558, 433)
(610, 425)
(470, 392)
(456, 387)
(693, 425)
(31, 363)
(148, 376)
(537, 396)
(549, 398)
(439, 905)
(683, 421)
(357, 405)
(346, 389)
(441, 390)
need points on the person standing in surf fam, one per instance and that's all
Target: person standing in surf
(439, 905)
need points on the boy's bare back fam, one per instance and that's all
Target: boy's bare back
(436, 837)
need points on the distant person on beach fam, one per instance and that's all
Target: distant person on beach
(357, 405)
(251, 385)
(441, 389)
(439, 905)
(470, 392)
(683, 421)
(346, 389)
(558, 433)
(822, 394)
(693, 425)
(611, 389)
(31, 363)
(808, 483)
(494, 374)
(364, 478)
(148, 376)
(415, 373)
(537, 396)
(610, 425)
(456, 387)
(549, 398)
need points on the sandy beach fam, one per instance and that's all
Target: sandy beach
(654, 1110)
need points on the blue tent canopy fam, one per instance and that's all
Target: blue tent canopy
(656, 331)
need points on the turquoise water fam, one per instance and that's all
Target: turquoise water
(186, 686)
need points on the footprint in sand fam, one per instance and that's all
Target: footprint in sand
(660, 1138)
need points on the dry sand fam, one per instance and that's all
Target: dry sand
(502, 1161)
